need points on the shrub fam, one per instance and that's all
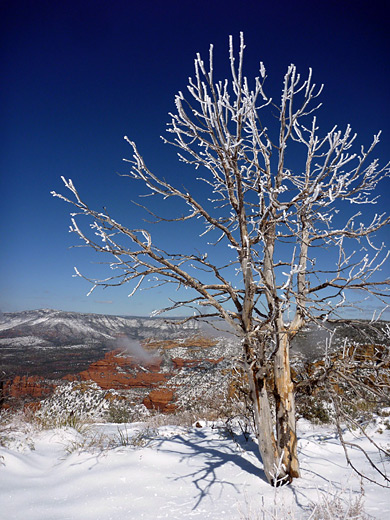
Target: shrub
(121, 411)
(315, 409)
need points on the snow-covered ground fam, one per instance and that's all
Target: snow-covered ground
(125, 472)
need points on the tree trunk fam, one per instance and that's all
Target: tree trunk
(278, 452)
(285, 410)
(262, 411)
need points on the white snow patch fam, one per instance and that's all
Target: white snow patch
(178, 473)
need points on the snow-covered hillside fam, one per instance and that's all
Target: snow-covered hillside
(133, 471)
(33, 342)
(97, 326)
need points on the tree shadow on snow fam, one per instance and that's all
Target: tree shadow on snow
(214, 454)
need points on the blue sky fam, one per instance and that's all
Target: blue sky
(78, 76)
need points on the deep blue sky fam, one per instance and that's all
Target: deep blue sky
(78, 76)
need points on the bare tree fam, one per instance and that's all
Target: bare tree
(270, 220)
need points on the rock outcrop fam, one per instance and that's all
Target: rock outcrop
(118, 371)
(160, 399)
(27, 388)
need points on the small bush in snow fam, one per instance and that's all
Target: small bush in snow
(330, 506)
(142, 438)
(335, 507)
(120, 411)
(315, 409)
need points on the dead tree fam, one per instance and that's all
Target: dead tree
(270, 213)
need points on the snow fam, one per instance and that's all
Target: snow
(92, 325)
(132, 471)
(25, 341)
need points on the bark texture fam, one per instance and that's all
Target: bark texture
(273, 401)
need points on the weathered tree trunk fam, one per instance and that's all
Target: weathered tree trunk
(278, 447)
(262, 410)
(285, 410)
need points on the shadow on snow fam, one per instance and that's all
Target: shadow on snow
(213, 455)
